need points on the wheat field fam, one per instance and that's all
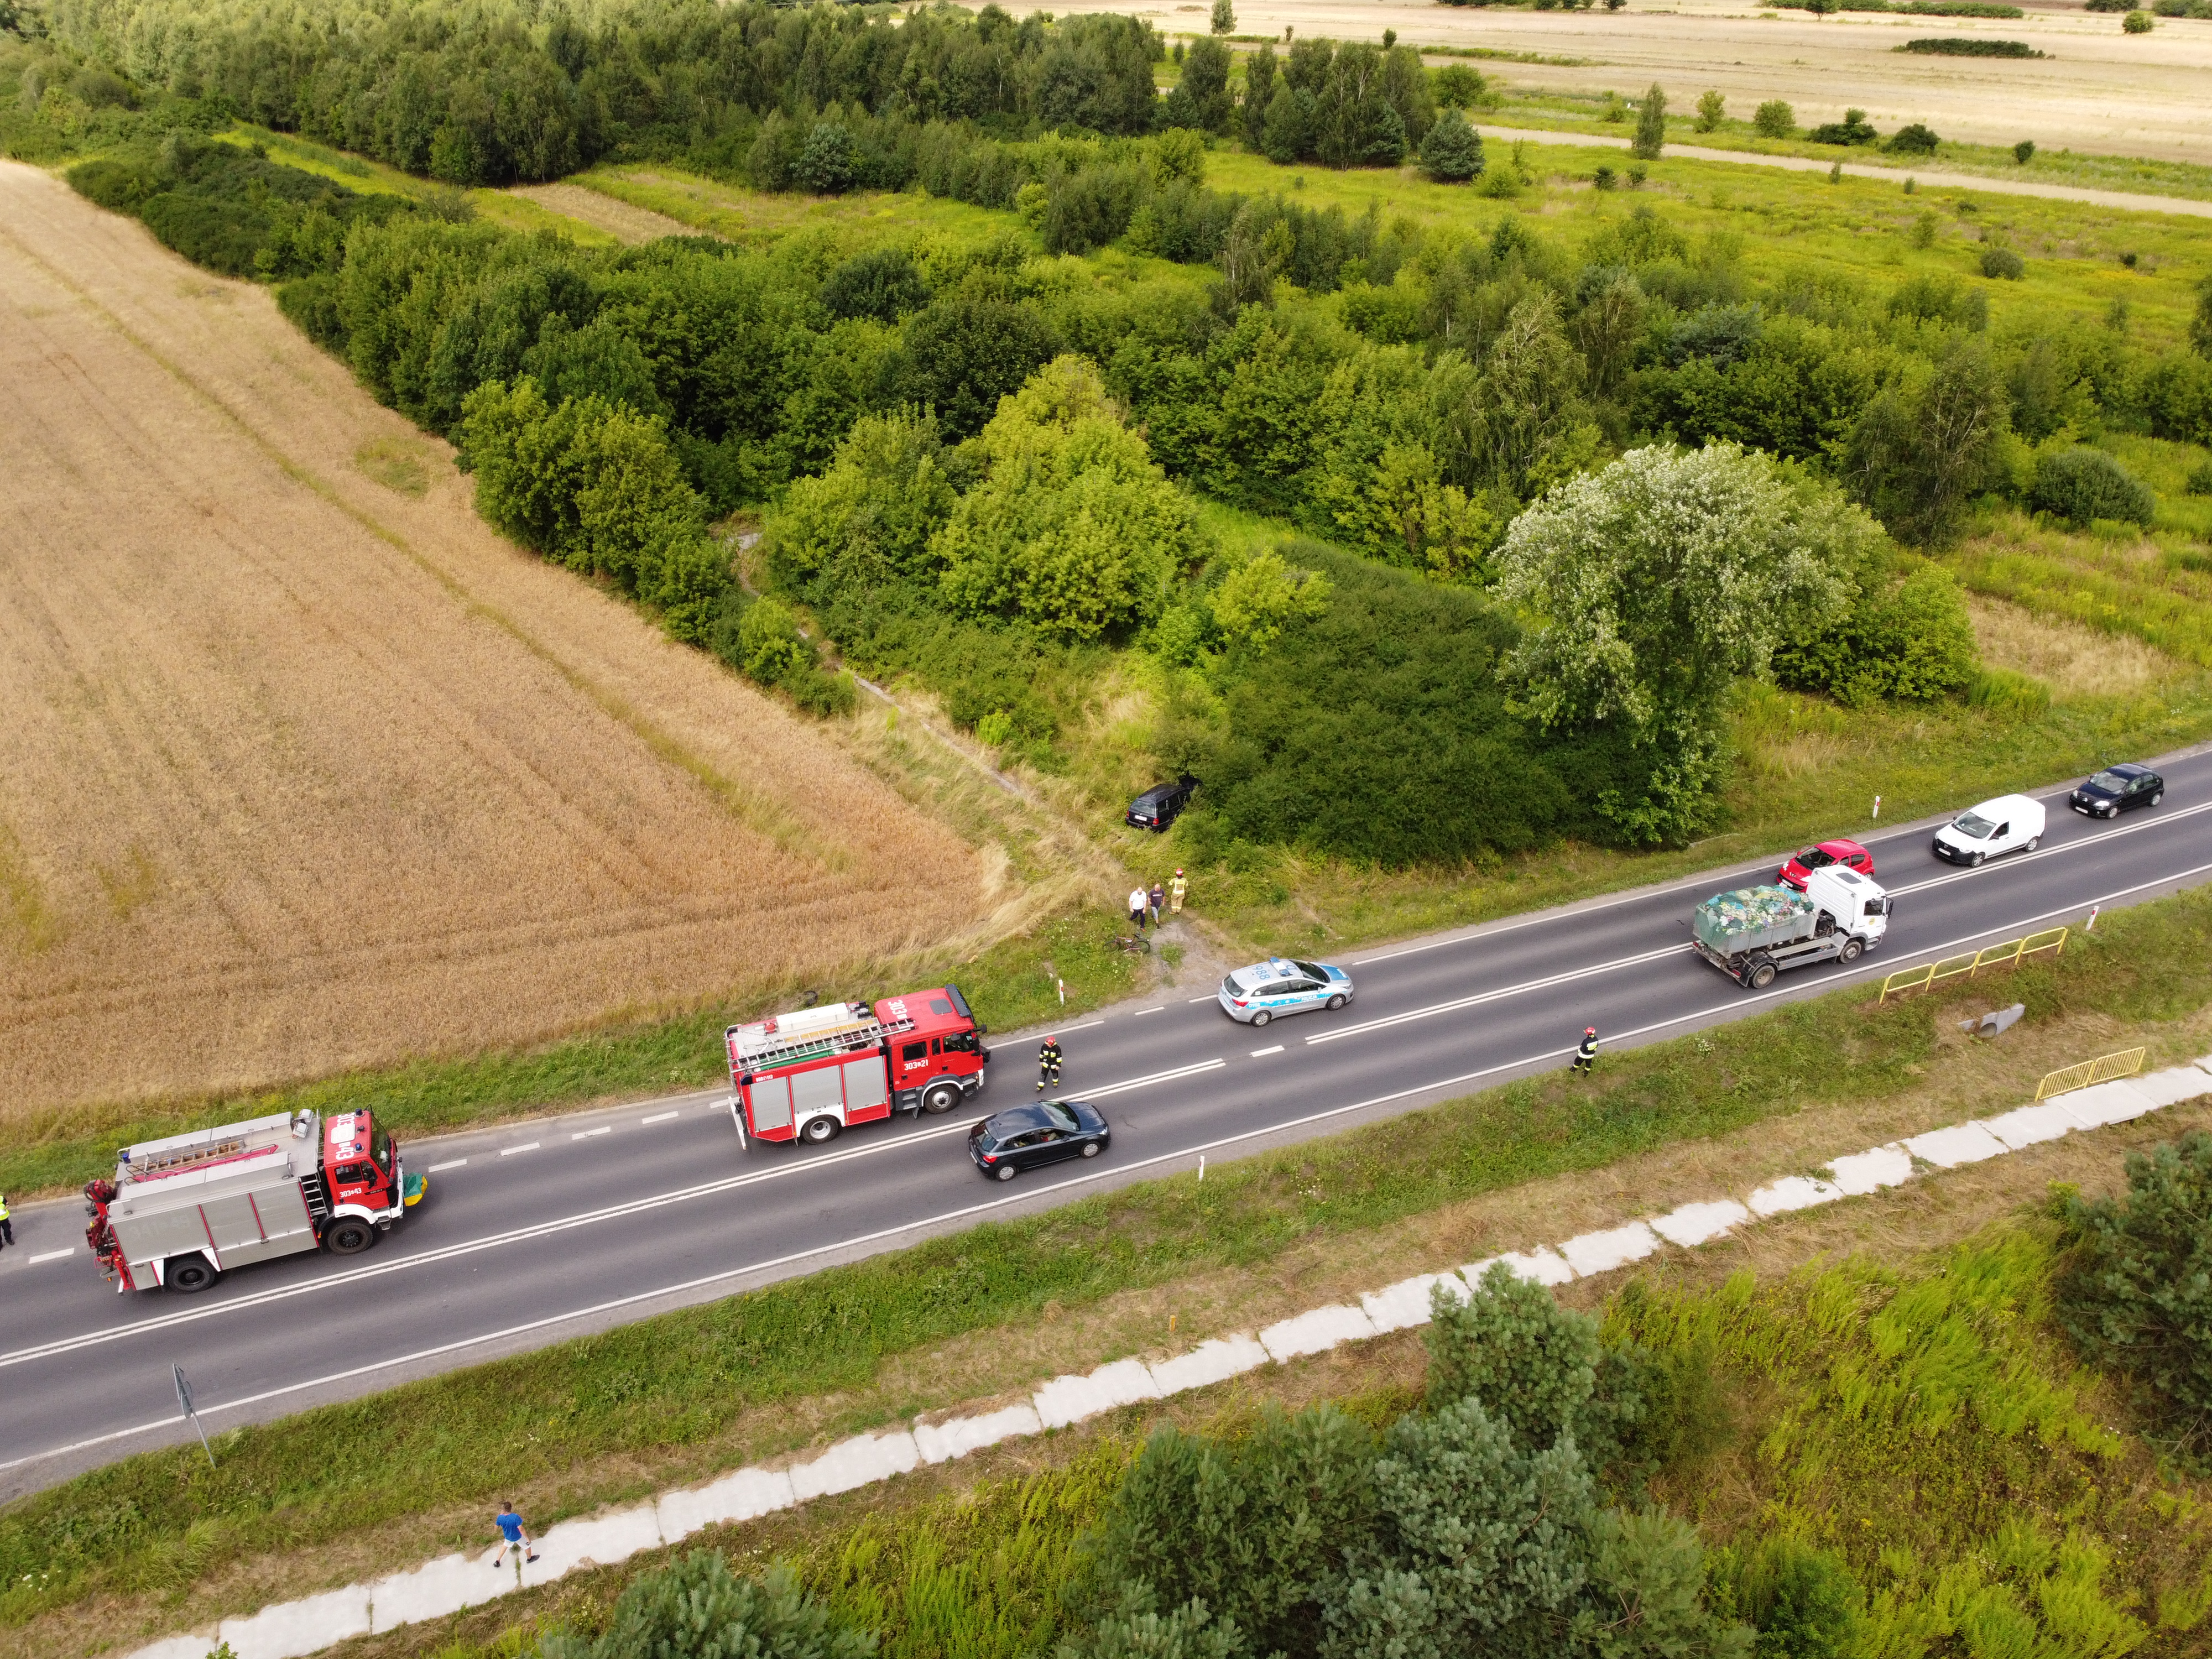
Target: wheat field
(302, 767)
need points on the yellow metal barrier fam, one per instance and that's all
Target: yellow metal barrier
(2010, 954)
(2103, 1069)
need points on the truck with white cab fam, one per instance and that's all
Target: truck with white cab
(1754, 933)
(184, 1211)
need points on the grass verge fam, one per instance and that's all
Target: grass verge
(611, 1416)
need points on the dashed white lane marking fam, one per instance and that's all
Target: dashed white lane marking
(1201, 999)
(1502, 991)
(1141, 1012)
(1084, 1026)
(1261, 1054)
(659, 1117)
(526, 1146)
(50, 1256)
(585, 1134)
(449, 1163)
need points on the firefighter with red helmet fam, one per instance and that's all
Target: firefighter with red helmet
(1586, 1055)
(1048, 1058)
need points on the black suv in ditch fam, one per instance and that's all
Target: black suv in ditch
(2118, 789)
(1159, 805)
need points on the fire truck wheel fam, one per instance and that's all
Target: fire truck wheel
(350, 1237)
(1006, 1172)
(820, 1131)
(943, 1098)
(188, 1274)
(1262, 1017)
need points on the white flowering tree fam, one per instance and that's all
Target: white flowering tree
(1648, 588)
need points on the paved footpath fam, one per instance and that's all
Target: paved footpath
(440, 1589)
(2130, 200)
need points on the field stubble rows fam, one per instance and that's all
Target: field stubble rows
(305, 771)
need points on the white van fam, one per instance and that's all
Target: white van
(2009, 824)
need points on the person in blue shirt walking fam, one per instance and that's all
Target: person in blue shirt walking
(512, 1536)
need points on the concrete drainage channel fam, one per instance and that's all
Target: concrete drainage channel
(440, 1589)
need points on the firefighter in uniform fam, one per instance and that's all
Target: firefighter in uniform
(7, 1227)
(1048, 1064)
(1586, 1055)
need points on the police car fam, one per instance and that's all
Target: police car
(1268, 989)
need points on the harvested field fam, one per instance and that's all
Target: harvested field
(2098, 90)
(305, 768)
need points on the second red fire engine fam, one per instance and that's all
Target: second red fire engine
(805, 1076)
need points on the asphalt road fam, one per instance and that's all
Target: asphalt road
(536, 1232)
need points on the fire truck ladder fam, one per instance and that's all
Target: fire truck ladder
(860, 1034)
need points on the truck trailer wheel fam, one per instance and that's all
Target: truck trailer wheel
(1760, 977)
(820, 1131)
(188, 1275)
(1851, 951)
(941, 1099)
(350, 1236)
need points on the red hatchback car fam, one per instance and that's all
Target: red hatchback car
(1848, 853)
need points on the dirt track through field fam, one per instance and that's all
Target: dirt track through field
(302, 771)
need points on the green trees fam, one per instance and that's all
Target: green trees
(1774, 119)
(1651, 586)
(1650, 125)
(698, 1609)
(1072, 528)
(1224, 18)
(2082, 484)
(1929, 441)
(2137, 1292)
(1712, 109)
(869, 519)
(968, 349)
(1473, 1527)
(1908, 640)
(595, 485)
(1200, 100)
(1452, 153)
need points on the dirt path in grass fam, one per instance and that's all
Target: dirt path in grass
(2131, 201)
(305, 768)
(618, 219)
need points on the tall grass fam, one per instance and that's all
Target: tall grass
(1930, 1430)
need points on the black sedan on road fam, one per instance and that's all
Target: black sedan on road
(2118, 789)
(1043, 1131)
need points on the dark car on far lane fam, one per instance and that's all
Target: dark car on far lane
(1160, 806)
(2118, 789)
(1041, 1132)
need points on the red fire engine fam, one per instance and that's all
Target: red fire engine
(804, 1076)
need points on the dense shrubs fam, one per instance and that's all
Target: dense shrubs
(2138, 1296)
(1474, 1525)
(227, 208)
(1955, 45)
(696, 1608)
(1911, 640)
(2082, 484)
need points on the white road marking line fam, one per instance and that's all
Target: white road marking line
(1201, 1000)
(1261, 1054)
(659, 1117)
(541, 1228)
(526, 1146)
(585, 1134)
(1141, 1012)
(1084, 1026)
(561, 1224)
(1493, 996)
(449, 1163)
(50, 1256)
